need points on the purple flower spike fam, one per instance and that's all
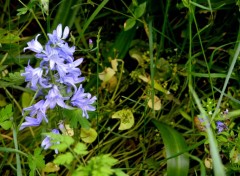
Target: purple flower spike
(57, 37)
(46, 143)
(55, 98)
(32, 75)
(37, 109)
(30, 122)
(34, 45)
(83, 100)
(35, 76)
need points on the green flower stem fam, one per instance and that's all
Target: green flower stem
(18, 161)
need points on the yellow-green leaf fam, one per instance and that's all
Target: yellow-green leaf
(107, 74)
(26, 99)
(88, 135)
(51, 167)
(157, 103)
(126, 118)
(2, 101)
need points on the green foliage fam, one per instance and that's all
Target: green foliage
(88, 135)
(80, 149)
(100, 165)
(64, 159)
(140, 9)
(14, 78)
(26, 98)
(60, 142)
(26, 8)
(75, 117)
(5, 117)
(130, 22)
(138, 12)
(36, 161)
(8, 37)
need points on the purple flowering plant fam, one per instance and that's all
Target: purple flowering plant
(57, 79)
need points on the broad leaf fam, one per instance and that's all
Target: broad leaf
(174, 144)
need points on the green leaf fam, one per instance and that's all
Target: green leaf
(121, 45)
(119, 172)
(2, 100)
(80, 149)
(8, 37)
(5, 115)
(60, 142)
(75, 118)
(36, 161)
(139, 11)
(129, 24)
(51, 167)
(15, 78)
(88, 135)
(126, 118)
(98, 166)
(39, 158)
(63, 159)
(26, 98)
(174, 144)
(6, 125)
(22, 11)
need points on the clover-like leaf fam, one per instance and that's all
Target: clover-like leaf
(126, 118)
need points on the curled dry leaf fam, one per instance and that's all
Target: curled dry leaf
(114, 64)
(157, 103)
(208, 163)
(69, 130)
(107, 74)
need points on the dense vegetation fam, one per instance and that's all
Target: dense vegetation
(98, 88)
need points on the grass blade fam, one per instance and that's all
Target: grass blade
(217, 163)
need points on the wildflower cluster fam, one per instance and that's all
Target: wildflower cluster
(55, 80)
